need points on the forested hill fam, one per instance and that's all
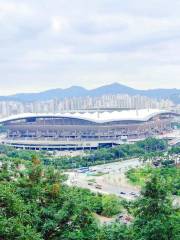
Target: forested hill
(36, 204)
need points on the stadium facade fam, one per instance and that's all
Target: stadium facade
(76, 131)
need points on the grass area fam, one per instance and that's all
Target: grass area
(139, 176)
(98, 174)
(92, 180)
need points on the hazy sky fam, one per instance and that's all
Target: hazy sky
(58, 43)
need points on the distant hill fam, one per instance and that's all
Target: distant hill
(76, 91)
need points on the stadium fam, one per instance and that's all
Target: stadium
(84, 130)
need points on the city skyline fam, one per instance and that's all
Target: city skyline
(47, 45)
(118, 101)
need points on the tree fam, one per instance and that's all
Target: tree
(111, 205)
(114, 231)
(154, 214)
(37, 205)
(15, 220)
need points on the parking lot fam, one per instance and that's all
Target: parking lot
(108, 179)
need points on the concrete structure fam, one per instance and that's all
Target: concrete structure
(84, 130)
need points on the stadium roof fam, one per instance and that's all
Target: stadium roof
(98, 117)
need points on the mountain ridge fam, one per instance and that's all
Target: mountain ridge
(78, 91)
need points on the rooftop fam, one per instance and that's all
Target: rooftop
(99, 117)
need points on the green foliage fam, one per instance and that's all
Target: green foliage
(139, 176)
(10, 152)
(152, 145)
(175, 150)
(36, 204)
(104, 155)
(154, 213)
(36, 201)
(111, 205)
(149, 146)
(15, 221)
(115, 231)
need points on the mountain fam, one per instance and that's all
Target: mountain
(59, 93)
(114, 88)
(76, 91)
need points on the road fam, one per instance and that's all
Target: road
(112, 180)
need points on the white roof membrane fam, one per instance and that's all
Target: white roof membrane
(98, 117)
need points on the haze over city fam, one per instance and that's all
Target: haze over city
(57, 44)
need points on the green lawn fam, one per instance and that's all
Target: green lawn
(140, 175)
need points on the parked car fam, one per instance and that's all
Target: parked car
(123, 193)
(132, 193)
(98, 186)
(90, 183)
